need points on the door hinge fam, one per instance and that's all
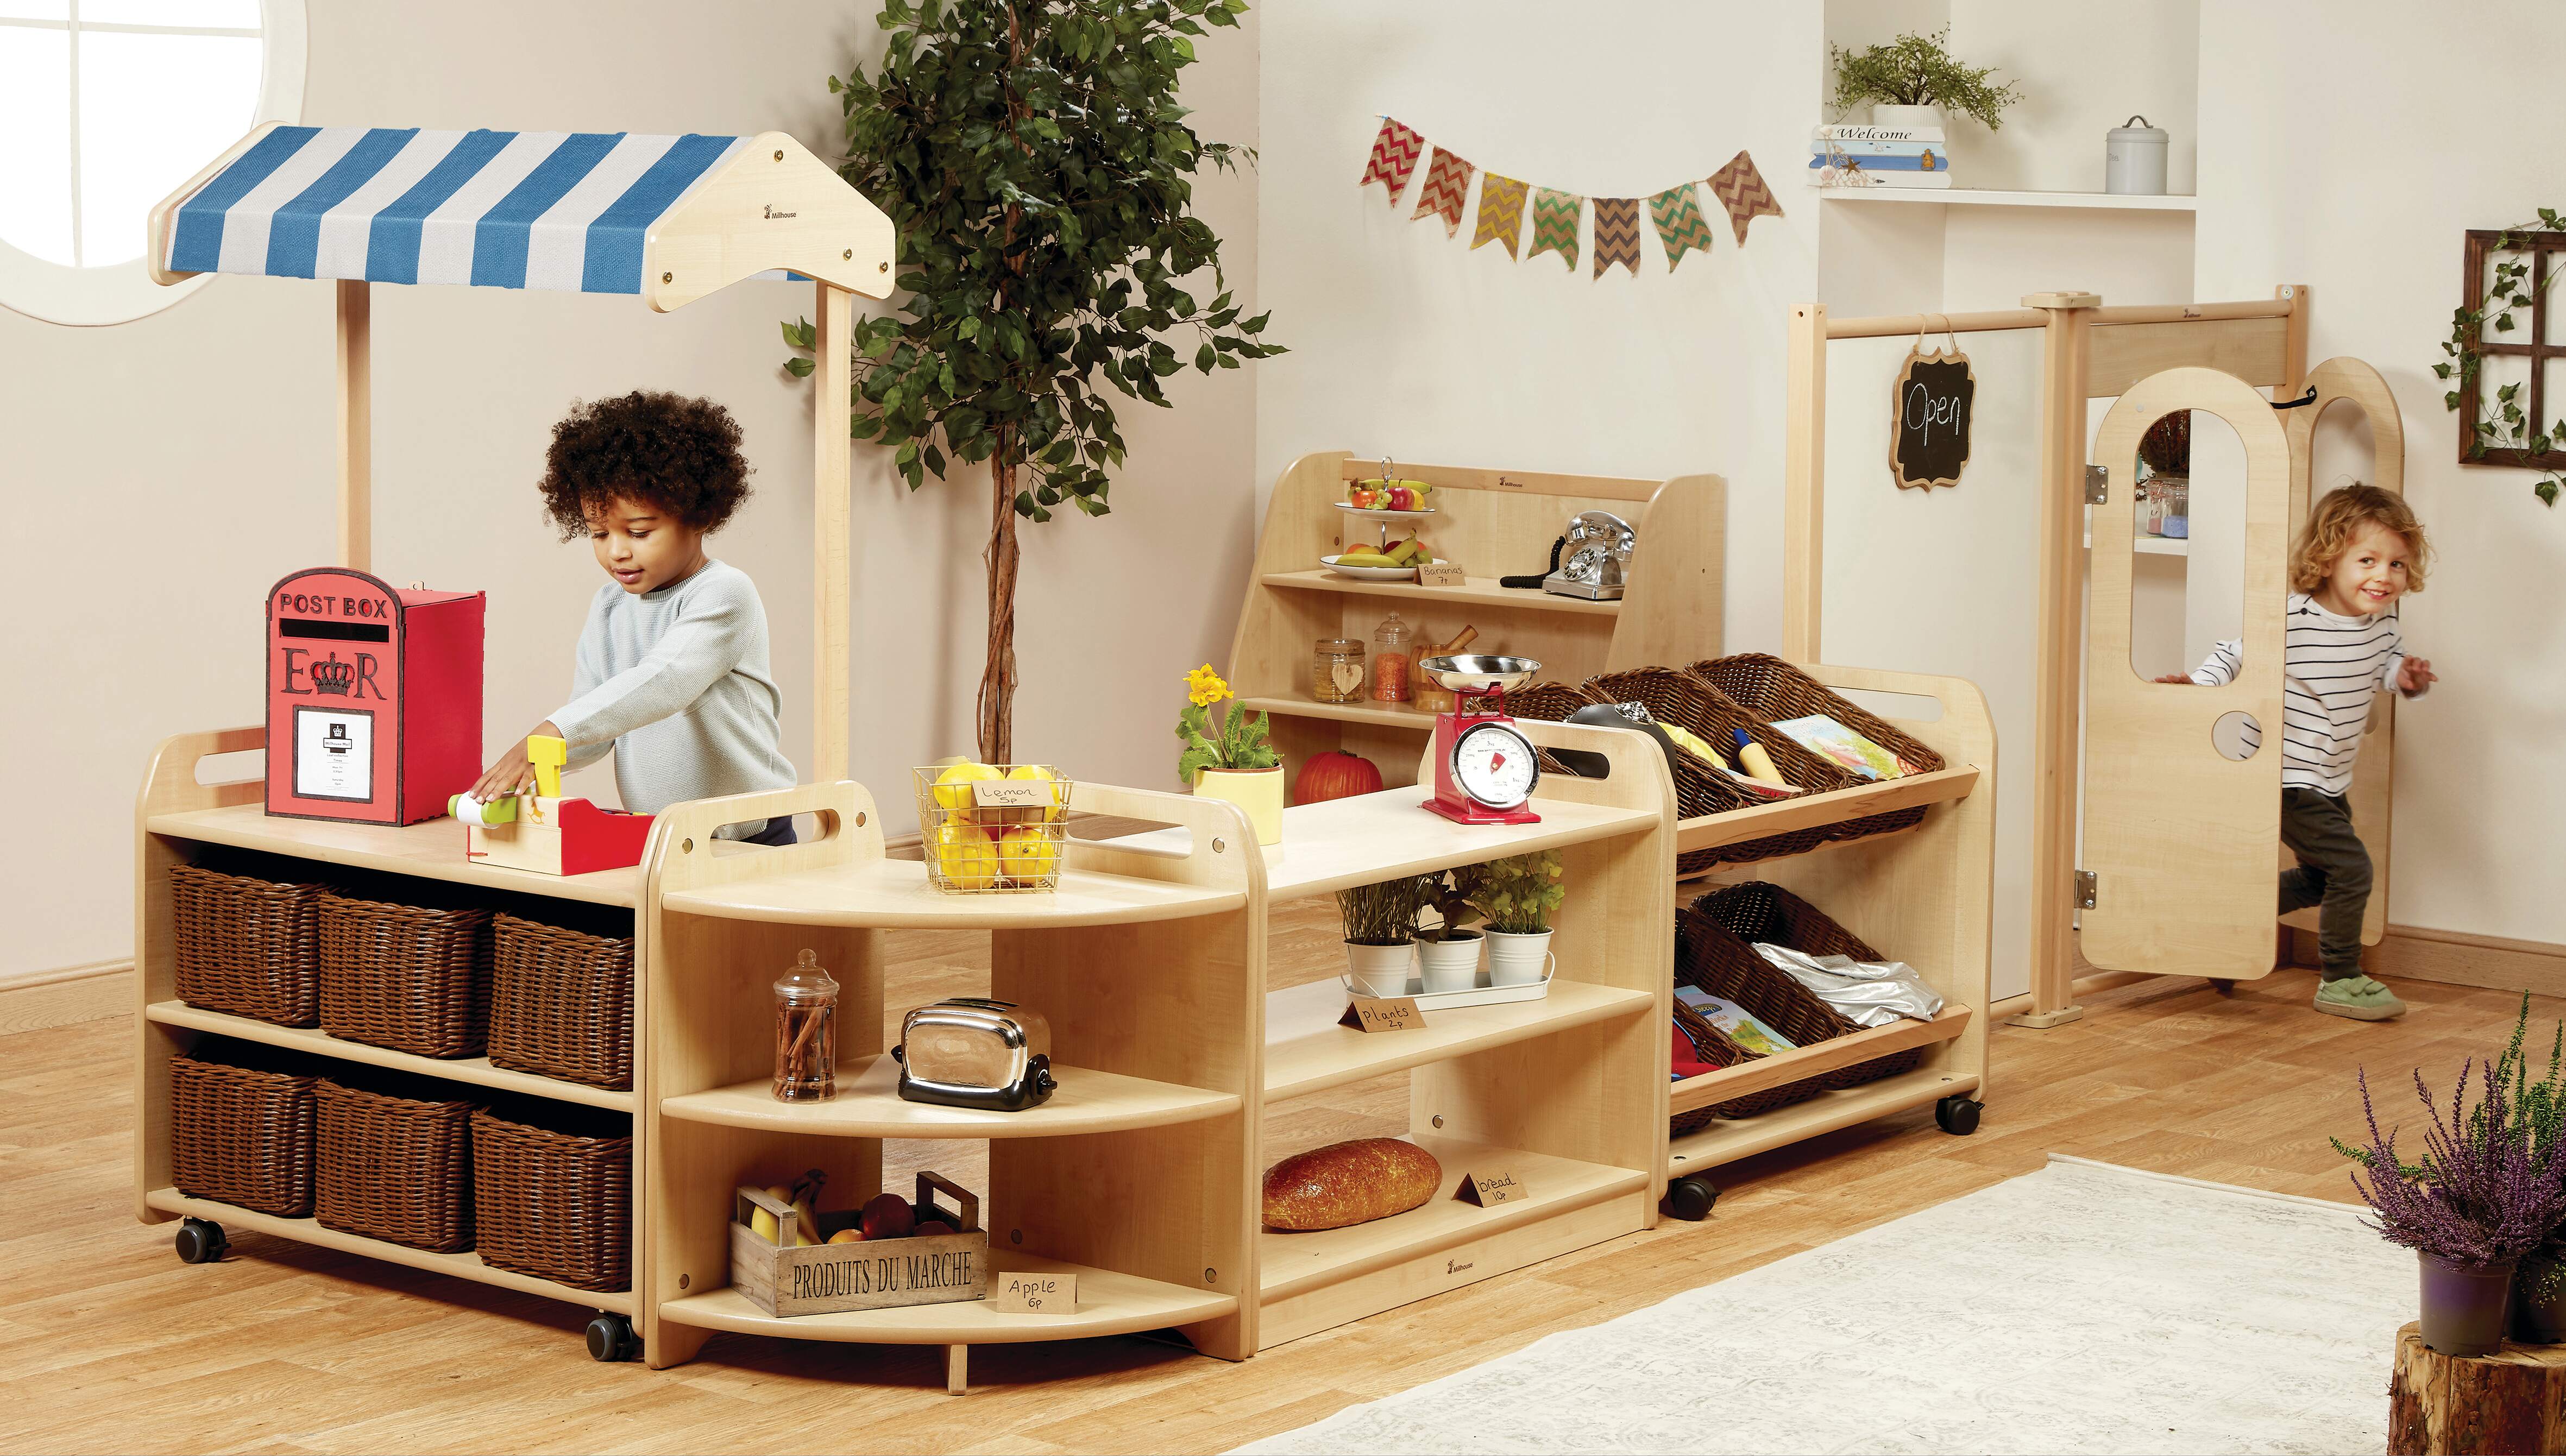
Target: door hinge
(2098, 485)
(2084, 890)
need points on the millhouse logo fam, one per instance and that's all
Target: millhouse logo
(772, 214)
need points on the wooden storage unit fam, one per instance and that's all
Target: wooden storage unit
(1495, 523)
(178, 820)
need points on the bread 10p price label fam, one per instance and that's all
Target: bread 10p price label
(1033, 1294)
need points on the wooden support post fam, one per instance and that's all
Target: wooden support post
(2294, 382)
(832, 570)
(356, 426)
(2061, 658)
(1804, 500)
(957, 1371)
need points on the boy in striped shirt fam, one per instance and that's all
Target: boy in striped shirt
(2361, 551)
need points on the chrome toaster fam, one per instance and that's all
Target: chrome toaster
(971, 1051)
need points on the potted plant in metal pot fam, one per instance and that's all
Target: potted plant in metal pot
(1230, 759)
(1518, 895)
(1909, 81)
(1448, 952)
(2481, 1196)
(1380, 925)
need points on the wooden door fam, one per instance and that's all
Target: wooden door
(2181, 842)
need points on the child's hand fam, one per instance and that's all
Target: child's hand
(510, 772)
(2183, 678)
(2414, 676)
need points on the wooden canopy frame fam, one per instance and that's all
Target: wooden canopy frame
(770, 206)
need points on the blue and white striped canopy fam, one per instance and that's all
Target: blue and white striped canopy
(565, 210)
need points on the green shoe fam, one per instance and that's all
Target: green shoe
(2360, 998)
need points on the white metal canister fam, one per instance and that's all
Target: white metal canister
(2133, 159)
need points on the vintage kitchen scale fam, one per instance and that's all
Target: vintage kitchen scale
(1484, 766)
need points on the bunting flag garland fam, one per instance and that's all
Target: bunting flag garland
(1555, 217)
(1501, 204)
(1447, 191)
(1741, 189)
(1680, 224)
(1394, 157)
(1616, 234)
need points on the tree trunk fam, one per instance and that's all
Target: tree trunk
(997, 702)
(2446, 1405)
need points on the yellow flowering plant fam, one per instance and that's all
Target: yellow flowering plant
(1236, 741)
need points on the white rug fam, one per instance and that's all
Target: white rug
(2081, 1307)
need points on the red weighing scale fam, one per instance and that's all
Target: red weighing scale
(1484, 766)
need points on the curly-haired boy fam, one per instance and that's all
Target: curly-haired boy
(671, 673)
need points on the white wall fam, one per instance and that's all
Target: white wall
(2347, 169)
(163, 473)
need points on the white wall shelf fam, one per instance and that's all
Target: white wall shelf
(1971, 196)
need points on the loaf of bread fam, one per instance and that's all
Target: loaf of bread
(1349, 1184)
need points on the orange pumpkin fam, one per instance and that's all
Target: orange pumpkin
(1335, 775)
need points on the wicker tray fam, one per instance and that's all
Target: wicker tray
(1709, 957)
(1678, 697)
(1773, 689)
(401, 976)
(245, 947)
(395, 1168)
(242, 1135)
(1551, 702)
(1756, 910)
(561, 1003)
(553, 1205)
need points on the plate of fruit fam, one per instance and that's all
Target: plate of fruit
(1389, 564)
(1389, 499)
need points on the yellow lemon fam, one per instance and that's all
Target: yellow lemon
(1038, 774)
(1028, 856)
(964, 856)
(953, 792)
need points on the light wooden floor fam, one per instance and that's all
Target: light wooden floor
(109, 1343)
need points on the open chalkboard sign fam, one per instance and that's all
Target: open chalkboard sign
(1930, 442)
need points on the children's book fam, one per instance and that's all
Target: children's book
(1735, 1022)
(1830, 740)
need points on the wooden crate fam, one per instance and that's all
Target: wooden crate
(829, 1279)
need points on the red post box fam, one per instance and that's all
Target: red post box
(374, 697)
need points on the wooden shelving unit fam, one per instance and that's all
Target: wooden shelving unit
(180, 820)
(1495, 523)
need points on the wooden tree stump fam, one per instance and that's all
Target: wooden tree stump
(2513, 1400)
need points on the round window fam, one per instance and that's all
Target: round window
(106, 108)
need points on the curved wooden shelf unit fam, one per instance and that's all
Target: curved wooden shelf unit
(893, 895)
(430, 850)
(1801, 1062)
(1479, 591)
(1107, 1304)
(477, 1070)
(1306, 1050)
(868, 1104)
(1376, 837)
(466, 1265)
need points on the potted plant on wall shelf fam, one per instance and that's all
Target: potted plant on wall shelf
(1381, 922)
(1448, 952)
(1230, 759)
(2481, 1196)
(1519, 894)
(1910, 81)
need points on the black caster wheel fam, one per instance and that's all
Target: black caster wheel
(201, 1241)
(1957, 1115)
(1691, 1199)
(611, 1338)
(2224, 987)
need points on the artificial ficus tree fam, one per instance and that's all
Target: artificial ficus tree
(1038, 167)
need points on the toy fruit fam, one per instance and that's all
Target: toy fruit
(964, 856)
(953, 792)
(1037, 774)
(1401, 498)
(1362, 498)
(1371, 559)
(847, 1236)
(888, 1216)
(763, 1224)
(930, 1230)
(1335, 775)
(1028, 854)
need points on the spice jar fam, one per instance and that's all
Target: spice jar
(1390, 660)
(1337, 670)
(806, 1033)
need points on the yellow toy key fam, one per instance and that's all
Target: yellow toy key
(547, 755)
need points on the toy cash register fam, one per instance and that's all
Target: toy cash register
(545, 833)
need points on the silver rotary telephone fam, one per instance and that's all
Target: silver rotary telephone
(1593, 558)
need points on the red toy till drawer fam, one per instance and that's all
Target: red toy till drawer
(374, 697)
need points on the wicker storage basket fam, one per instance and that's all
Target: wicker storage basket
(397, 1168)
(242, 1135)
(553, 1205)
(245, 946)
(1773, 690)
(1709, 957)
(1678, 697)
(412, 979)
(1756, 910)
(1551, 702)
(561, 1003)
(1714, 1048)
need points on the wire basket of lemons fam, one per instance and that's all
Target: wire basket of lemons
(993, 829)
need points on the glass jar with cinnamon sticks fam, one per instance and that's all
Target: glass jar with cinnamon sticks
(806, 1033)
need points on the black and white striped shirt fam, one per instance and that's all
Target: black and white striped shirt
(2331, 668)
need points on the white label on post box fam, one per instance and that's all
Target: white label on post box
(1034, 1294)
(333, 754)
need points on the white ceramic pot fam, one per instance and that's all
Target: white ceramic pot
(1884, 114)
(1258, 791)
(1518, 960)
(1451, 965)
(1380, 970)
